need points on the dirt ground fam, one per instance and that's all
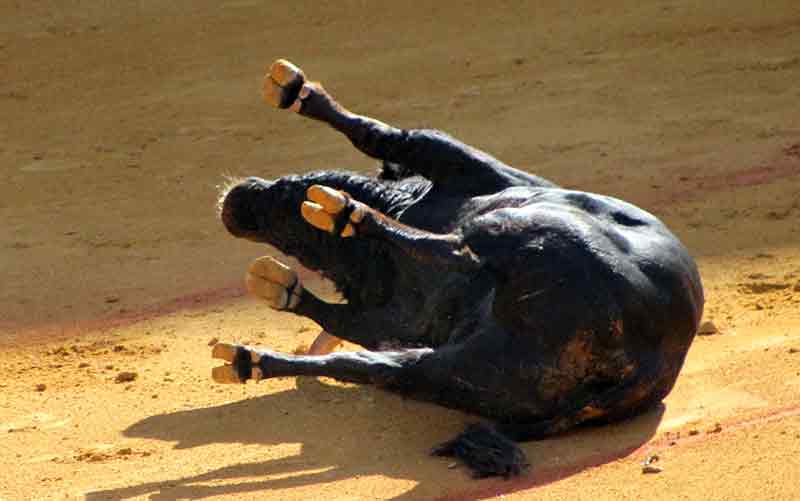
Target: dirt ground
(120, 119)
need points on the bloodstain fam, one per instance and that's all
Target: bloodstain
(785, 165)
(200, 300)
(497, 487)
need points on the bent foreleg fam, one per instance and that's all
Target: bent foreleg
(280, 288)
(335, 212)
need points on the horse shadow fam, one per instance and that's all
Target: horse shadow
(351, 431)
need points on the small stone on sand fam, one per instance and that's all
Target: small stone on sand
(41, 387)
(707, 328)
(125, 377)
(648, 465)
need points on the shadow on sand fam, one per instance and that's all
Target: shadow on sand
(355, 431)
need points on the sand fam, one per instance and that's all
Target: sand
(121, 119)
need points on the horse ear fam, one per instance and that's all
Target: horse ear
(391, 171)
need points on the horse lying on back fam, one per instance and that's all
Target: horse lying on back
(472, 284)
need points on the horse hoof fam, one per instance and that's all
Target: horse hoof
(283, 83)
(274, 282)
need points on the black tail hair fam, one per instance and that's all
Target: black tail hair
(486, 451)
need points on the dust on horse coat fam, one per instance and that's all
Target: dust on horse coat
(470, 283)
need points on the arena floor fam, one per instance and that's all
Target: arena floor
(121, 119)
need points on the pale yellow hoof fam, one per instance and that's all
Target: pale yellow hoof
(324, 204)
(224, 351)
(272, 93)
(285, 73)
(282, 81)
(274, 282)
(332, 201)
(228, 374)
(225, 374)
(324, 344)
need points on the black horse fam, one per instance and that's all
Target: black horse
(473, 284)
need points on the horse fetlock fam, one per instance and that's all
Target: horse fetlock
(283, 85)
(273, 282)
(325, 206)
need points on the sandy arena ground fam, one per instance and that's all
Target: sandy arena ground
(119, 120)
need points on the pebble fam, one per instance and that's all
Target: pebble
(648, 466)
(125, 377)
(41, 387)
(716, 428)
(707, 328)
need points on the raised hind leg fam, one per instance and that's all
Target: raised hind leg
(447, 162)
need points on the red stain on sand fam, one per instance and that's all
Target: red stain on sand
(755, 176)
(785, 165)
(498, 487)
(200, 300)
(63, 330)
